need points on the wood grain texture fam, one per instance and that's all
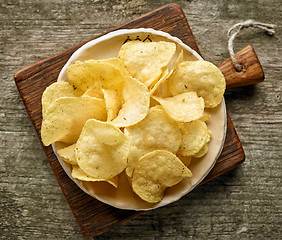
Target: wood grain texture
(244, 203)
(252, 72)
(92, 216)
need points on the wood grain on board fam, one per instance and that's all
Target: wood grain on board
(92, 216)
(251, 73)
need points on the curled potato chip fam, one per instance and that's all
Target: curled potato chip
(78, 173)
(194, 136)
(136, 102)
(165, 75)
(55, 91)
(162, 85)
(156, 171)
(199, 76)
(102, 150)
(66, 116)
(162, 90)
(146, 61)
(156, 131)
(184, 107)
(113, 103)
(92, 92)
(203, 151)
(95, 74)
(68, 154)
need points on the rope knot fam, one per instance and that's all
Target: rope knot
(249, 23)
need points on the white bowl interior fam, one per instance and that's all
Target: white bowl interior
(123, 197)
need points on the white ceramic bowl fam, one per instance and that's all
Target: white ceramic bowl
(108, 46)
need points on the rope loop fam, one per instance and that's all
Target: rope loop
(268, 28)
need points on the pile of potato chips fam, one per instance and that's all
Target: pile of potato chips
(141, 113)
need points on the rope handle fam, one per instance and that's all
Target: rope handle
(268, 28)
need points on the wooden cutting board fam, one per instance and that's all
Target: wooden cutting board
(92, 216)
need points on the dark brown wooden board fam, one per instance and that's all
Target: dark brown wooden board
(92, 216)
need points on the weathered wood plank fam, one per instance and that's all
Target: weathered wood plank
(251, 73)
(243, 204)
(94, 217)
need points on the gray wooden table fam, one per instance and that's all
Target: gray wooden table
(242, 204)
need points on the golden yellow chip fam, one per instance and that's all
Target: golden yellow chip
(204, 150)
(199, 76)
(113, 103)
(179, 60)
(68, 154)
(185, 159)
(156, 131)
(166, 74)
(162, 84)
(146, 61)
(95, 74)
(184, 107)
(136, 102)
(92, 92)
(210, 135)
(154, 172)
(80, 175)
(55, 91)
(206, 117)
(102, 150)
(66, 116)
(117, 63)
(194, 136)
(162, 90)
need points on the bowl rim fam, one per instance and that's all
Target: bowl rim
(121, 32)
(114, 34)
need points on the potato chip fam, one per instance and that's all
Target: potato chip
(162, 90)
(206, 117)
(92, 92)
(165, 75)
(117, 63)
(199, 76)
(204, 150)
(210, 134)
(146, 61)
(66, 116)
(68, 154)
(113, 103)
(55, 91)
(185, 159)
(80, 175)
(136, 101)
(184, 107)
(102, 150)
(194, 136)
(160, 85)
(95, 74)
(179, 60)
(154, 172)
(156, 131)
